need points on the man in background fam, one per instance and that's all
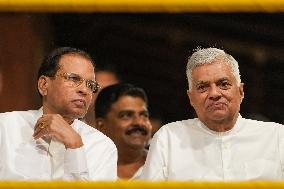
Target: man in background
(105, 76)
(121, 112)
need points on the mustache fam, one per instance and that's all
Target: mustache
(137, 128)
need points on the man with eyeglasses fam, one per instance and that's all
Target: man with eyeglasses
(51, 143)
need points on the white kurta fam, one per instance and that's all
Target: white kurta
(188, 150)
(23, 158)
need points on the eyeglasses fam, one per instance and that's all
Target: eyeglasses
(75, 80)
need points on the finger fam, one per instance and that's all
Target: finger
(41, 133)
(39, 121)
(41, 125)
(38, 134)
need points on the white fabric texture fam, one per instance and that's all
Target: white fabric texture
(23, 158)
(188, 150)
(137, 174)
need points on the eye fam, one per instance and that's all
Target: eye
(224, 85)
(90, 85)
(125, 115)
(75, 78)
(202, 88)
(96, 87)
(145, 115)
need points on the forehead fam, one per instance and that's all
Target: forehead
(76, 63)
(129, 103)
(213, 71)
(105, 78)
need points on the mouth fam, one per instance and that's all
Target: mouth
(216, 106)
(80, 103)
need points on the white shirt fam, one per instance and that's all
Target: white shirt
(137, 174)
(188, 150)
(23, 158)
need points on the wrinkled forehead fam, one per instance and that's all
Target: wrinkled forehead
(78, 64)
(214, 70)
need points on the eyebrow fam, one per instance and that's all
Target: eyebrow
(125, 111)
(223, 79)
(80, 76)
(201, 82)
(132, 111)
(205, 82)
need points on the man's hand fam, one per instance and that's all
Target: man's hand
(54, 125)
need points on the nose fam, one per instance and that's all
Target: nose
(138, 120)
(83, 89)
(214, 93)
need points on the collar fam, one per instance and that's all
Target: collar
(235, 129)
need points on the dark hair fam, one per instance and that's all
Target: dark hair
(109, 95)
(50, 66)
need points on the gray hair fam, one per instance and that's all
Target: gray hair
(207, 56)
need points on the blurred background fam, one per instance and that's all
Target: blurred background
(150, 50)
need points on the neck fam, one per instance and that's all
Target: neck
(130, 155)
(129, 161)
(221, 125)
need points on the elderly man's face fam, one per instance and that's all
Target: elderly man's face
(127, 123)
(215, 95)
(61, 96)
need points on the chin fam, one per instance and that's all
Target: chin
(218, 116)
(78, 114)
(137, 144)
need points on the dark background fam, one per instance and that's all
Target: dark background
(151, 50)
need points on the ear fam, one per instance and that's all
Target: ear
(241, 90)
(42, 85)
(100, 125)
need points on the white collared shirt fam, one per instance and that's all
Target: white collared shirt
(188, 150)
(23, 158)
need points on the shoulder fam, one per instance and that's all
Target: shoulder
(180, 126)
(14, 117)
(177, 128)
(264, 127)
(8, 115)
(257, 123)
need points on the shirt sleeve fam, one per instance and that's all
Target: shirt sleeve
(281, 149)
(102, 162)
(155, 167)
(96, 161)
(67, 164)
